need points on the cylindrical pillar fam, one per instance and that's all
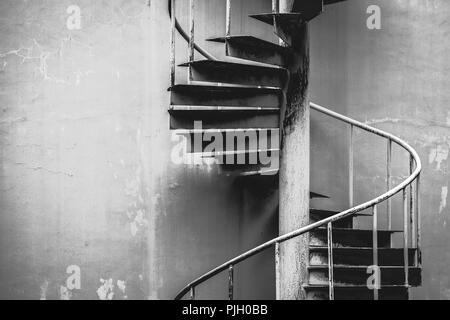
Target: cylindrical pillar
(294, 170)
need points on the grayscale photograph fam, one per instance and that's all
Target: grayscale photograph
(217, 151)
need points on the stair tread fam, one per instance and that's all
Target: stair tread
(330, 212)
(284, 18)
(327, 2)
(348, 286)
(253, 41)
(183, 108)
(227, 64)
(345, 230)
(362, 267)
(227, 88)
(318, 195)
(191, 131)
(316, 248)
(234, 152)
(258, 173)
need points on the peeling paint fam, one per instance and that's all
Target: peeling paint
(106, 290)
(44, 288)
(121, 285)
(64, 293)
(438, 155)
(444, 195)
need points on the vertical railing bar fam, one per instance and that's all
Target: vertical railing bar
(192, 39)
(228, 18)
(275, 6)
(418, 224)
(277, 271)
(192, 293)
(172, 43)
(330, 261)
(389, 183)
(412, 195)
(275, 9)
(230, 282)
(375, 245)
(405, 236)
(350, 169)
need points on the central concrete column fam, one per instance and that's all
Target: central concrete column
(294, 170)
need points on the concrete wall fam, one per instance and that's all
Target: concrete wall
(86, 177)
(396, 79)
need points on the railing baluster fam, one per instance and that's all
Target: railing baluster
(418, 219)
(228, 18)
(375, 245)
(172, 43)
(230, 282)
(350, 169)
(192, 293)
(389, 183)
(330, 261)
(192, 39)
(412, 195)
(277, 271)
(275, 6)
(405, 236)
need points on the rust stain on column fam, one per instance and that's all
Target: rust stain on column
(294, 170)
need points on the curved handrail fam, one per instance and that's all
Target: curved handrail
(296, 233)
(336, 217)
(186, 37)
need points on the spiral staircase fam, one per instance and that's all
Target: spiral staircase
(248, 97)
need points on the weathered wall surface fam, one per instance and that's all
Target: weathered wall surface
(86, 177)
(396, 79)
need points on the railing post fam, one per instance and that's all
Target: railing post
(192, 293)
(330, 261)
(405, 236)
(192, 39)
(389, 183)
(418, 224)
(277, 271)
(228, 18)
(172, 43)
(375, 244)
(275, 6)
(350, 169)
(230, 282)
(412, 195)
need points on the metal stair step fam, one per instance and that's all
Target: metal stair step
(321, 292)
(183, 117)
(318, 256)
(359, 275)
(286, 24)
(214, 95)
(317, 215)
(237, 73)
(350, 237)
(254, 49)
(239, 139)
(314, 195)
(327, 2)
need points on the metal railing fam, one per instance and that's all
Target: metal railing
(411, 214)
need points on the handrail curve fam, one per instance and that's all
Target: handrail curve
(334, 218)
(344, 214)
